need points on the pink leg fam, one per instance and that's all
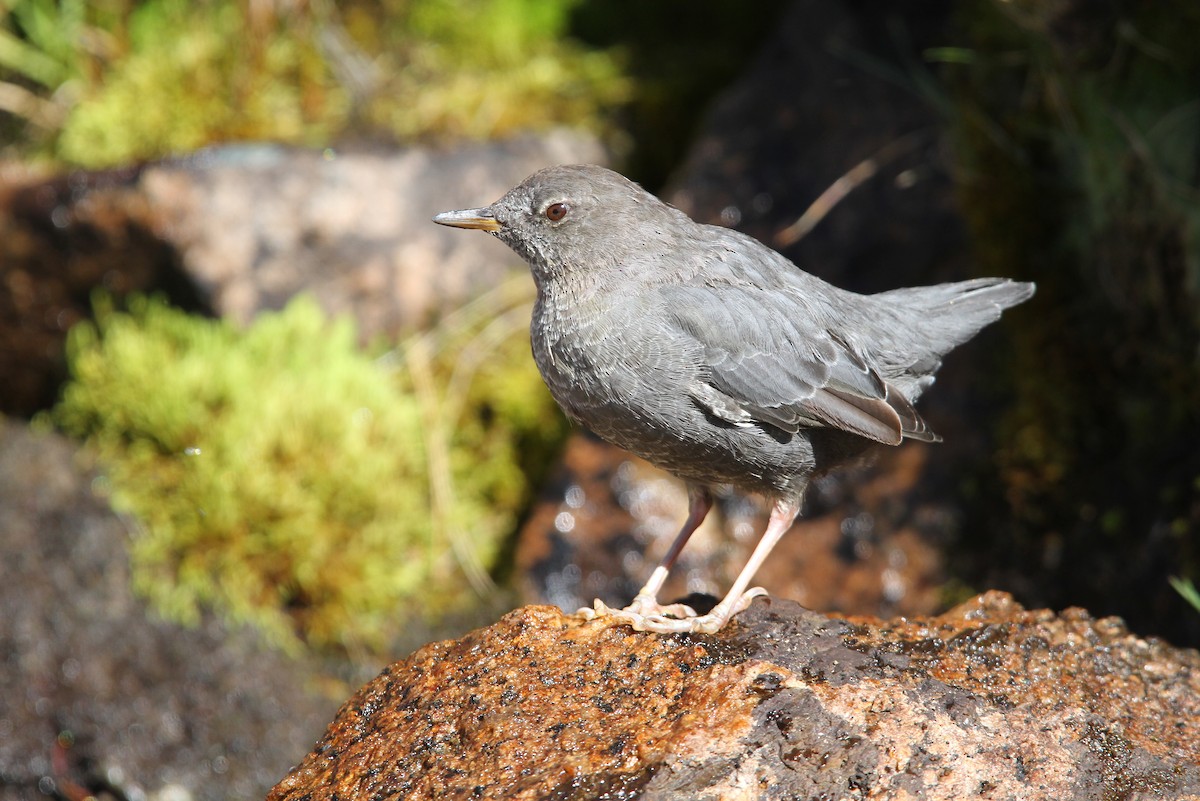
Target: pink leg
(699, 503)
(783, 514)
(645, 604)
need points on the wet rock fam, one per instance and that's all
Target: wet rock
(238, 229)
(98, 699)
(988, 700)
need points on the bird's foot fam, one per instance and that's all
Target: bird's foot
(648, 606)
(645, 614)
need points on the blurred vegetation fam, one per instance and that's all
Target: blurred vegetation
(100, 83)
(1078, 146)
(286, 479)
(1187, 590)
(112, 81)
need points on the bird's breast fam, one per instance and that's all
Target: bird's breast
(605, 363)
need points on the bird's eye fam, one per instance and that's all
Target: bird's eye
(556, 211)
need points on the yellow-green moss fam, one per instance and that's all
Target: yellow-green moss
(196, 74)
(281, 476)
(100, 84)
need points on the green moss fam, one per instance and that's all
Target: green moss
(282, 477)
(165, 76)
(192, 76)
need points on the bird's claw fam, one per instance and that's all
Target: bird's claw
(645, 614)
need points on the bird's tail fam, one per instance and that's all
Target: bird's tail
(953, 313)
(946, 315)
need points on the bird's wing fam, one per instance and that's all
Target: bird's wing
(765, 362)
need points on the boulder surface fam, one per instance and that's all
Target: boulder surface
(988, 700)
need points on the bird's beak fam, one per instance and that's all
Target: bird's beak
(469, 218)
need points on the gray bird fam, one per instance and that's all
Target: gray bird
(712, 356)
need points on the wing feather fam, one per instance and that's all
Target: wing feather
(765, 364)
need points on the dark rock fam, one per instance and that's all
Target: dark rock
(60, 239)
(769, 148)
(987, 700)
(98, 698)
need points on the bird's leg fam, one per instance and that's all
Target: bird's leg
(645, 603)
(700, 501)
(783, 514)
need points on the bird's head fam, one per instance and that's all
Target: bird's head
(581, 224)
